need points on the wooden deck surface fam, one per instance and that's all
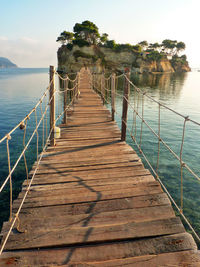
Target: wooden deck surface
(93, 203)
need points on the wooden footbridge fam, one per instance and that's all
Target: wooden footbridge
(92, 202)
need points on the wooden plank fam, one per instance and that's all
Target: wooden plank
(167, 247)
(99, 206)
(83, 235)
(62, 197)
(77, 161)
(97, 151)
(183, 258)
(94, 182)
(93, 219)
(81, 187)
(66, 169)
(88, 176)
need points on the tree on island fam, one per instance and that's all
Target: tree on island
(65, 37)
(104, 38)
(172, 47)
(143, 44)
(87, 31)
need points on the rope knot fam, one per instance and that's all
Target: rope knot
(182, 164)
(187, 118)
(9, 137)
(22, 126)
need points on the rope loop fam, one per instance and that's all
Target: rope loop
(18, 225)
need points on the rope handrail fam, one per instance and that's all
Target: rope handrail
(74, 93)
(141, 95)
(67, 78)
(160, 103)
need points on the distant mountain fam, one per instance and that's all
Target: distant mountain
(6, 63)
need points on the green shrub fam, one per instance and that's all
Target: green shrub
(154, 55)
(110, 44)
(179, 60)
(69, 46)
(80, 42)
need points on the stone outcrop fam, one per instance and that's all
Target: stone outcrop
(101, 58)
(178, 67)
(162, 65)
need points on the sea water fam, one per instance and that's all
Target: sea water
(20, 89)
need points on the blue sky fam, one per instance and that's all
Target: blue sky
(29, 28)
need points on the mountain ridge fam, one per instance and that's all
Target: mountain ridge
(6, 63)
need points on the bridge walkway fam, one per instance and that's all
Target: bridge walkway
(92, 202)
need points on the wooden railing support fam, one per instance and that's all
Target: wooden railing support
(113, 96)
(103, 87)
(65, 101)
(77, 86)
(52, 104)
(125, 107)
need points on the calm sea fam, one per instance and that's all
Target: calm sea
(20, 90)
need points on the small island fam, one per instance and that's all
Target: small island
(6, 63)
(85, 46)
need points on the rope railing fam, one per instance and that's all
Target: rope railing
(43, 131)
(136, 132)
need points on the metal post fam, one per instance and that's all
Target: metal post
(52, 104)
(125, 107)
(113, 96)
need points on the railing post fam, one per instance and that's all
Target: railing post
(103, 87)
(52, 104)
(125, 106)
(77, 85)
(113, 96)
(65, 101)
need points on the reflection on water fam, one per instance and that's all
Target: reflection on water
(165, 85)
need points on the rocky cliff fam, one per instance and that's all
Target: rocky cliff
(101, 58)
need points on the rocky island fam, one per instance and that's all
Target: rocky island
(6, 63)
(86, 47)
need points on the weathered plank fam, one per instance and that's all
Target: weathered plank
(80, 235)
(61, 197)
(153, 248)
(93, 219)
(94, 182)
(88, 176)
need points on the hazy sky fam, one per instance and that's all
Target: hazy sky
(29, 28)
